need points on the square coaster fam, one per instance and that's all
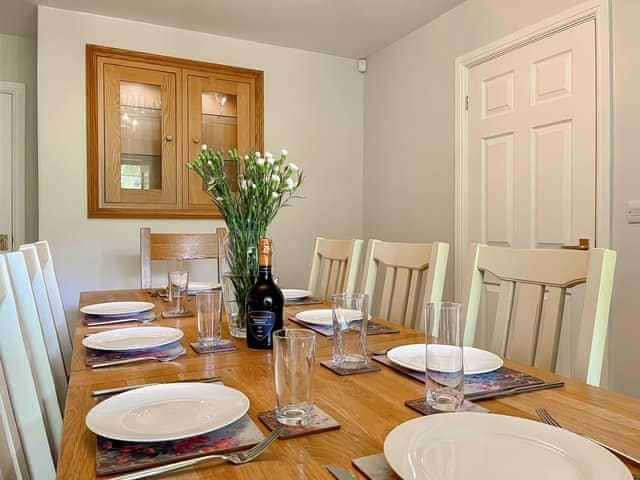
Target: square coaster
(375, 467)
(320, 422)
(349, 371)
(224, 346)
(420, 405)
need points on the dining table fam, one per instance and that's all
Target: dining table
(367, 406)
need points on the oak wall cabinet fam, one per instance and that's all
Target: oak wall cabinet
(148, 115)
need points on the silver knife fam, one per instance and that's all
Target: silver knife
(340, 473)
(512, 391)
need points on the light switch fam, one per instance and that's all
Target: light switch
(633, 211)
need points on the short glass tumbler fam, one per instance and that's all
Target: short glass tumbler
(350, 316)
(294, 351)
(444, 362)
(178, 283)
(209, 313)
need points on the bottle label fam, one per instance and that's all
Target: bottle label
(261, 323)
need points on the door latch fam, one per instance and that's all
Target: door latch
(4, 242)
(583, 244)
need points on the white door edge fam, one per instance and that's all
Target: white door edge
(591, 10)
(17, 91)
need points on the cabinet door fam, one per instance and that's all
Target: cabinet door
(140, 137)
(221, 114)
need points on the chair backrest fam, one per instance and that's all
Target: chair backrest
(47, 324)
(22, 389)
(55, 300)
(12, 460)
(334, 267)
(411, 275)
(177, 246)
(527, 328)
(36, 349)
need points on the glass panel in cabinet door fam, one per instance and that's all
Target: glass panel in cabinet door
(140, 136)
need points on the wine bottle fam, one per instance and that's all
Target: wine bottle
(264, 302)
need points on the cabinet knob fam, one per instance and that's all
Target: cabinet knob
(196, 140)
(169, 138)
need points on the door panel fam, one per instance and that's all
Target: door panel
(532, 156)
(6, 158)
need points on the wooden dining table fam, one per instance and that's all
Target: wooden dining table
(367, 406)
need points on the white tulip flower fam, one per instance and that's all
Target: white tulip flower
(284, 152)
(290, 184)
(271, 160)
(275, 194)
(268, 155)
(294, 167)
(203, 147)
(258, 154)
(275, 178)
(246, 157)
(260, 161)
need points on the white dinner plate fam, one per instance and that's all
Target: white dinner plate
(295, 294)
(168, 411)
(117, 308)
(475, 360)
(324, 316)
(484, 446)
(132, 338)
(195, 287)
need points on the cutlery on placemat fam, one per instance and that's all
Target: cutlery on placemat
(237, 458)
(549, 420)
(512, 391)
(145, 319)
(340, 473)
(113, 391)
(139, 359)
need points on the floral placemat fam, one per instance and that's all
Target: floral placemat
(223, 346)
(99, 356)
(115, 456)
(320, 422)
(109, 319)
(502, 379)
(373, 328)
(368, 368)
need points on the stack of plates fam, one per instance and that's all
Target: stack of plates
(475, 360)
(460, 446)
(166, 412)
(197, 287)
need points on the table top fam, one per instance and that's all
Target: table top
(367, 406)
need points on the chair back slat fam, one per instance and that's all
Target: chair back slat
(525, 319)
(528, 328)
(36, 348)
(12, 460)
(393, 273)
(334, 267)
(549, 330)
(47, 324)
(22, 390)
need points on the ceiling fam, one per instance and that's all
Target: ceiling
(349, 28)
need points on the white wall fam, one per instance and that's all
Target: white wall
(409, 144)
(313, 107)
(18, 64)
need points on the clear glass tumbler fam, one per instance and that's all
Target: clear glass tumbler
(178, 282)
(350, 315)
(294, 353)
(209, 313)
(444, 363)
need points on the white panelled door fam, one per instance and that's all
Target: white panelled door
(12, 145)
(532, 156)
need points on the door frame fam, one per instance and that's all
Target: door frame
(591, 10)
(18, 217)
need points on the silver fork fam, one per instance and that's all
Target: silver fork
(235, 458)
(146, 319)
(549, 420)
(140, 359)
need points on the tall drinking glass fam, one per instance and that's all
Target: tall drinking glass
(444, 365)
(294, 352)
(178, 282)
(209, 313)
(350, 314)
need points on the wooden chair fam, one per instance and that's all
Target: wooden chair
(178, 246)
(334, 267)
(12, 460)
(21, 386)
(527, 328)
(47, 324)
(36, 349)
(412, 274)
(55, 300)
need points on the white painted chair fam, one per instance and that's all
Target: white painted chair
(334, 267)
(36, 349)
(55, 300)
(22, 389)
(13, 463)
(400, 278)
(527, 328)
(47, 324)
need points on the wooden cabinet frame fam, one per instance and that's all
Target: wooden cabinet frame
(96, 55)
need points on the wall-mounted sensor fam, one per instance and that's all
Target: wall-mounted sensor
(362, 65)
